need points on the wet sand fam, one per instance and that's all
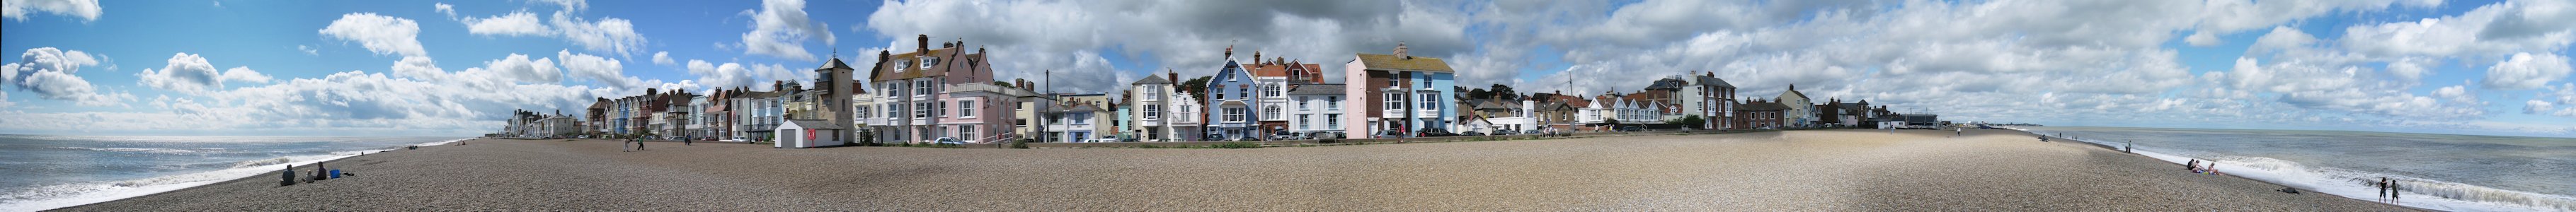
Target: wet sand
(1815, 170)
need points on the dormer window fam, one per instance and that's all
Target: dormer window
(899, 65)
(926, 62)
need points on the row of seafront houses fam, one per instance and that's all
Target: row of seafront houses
(948, 93)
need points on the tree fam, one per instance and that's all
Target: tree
(1479, 93)
(1195, 86)
(1503, 91)
(1004, 84)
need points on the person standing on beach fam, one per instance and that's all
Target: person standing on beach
(2382, 185)
(2394, 191)
(1954, 132)
(628, 145)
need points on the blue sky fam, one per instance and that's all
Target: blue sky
(346, 68)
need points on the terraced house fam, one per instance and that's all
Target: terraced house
(1232, 100)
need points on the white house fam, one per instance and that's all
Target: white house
(1315, 108)
(803, 133)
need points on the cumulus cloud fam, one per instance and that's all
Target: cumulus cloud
(86, 10)
(2526, 71)
(2462, 34)
(186, 73)
(663, 58)
(610, 35)
(730, 75)
(49, 73)
(780, 28)
(2201, 38)
(518, 67)
(603, 70)
(2550, 101)
(444, 8)
(378, 33)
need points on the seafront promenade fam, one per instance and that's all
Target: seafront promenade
(1808, 170)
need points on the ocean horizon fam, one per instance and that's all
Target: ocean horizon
(53, 171)
(2441, 171)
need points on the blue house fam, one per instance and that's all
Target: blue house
(1231, 102)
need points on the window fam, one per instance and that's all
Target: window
(1220, 94)
(1333, 121)
(1394, 101)
(1244, 90)
(1430, 101)
(893, 110)
(929, 61)
(966, 108)
(1332, 103)
(1270, 112)
(898, 65)
(1302, 104)
(1153, 111)
(921, 110)
(863, 112)
(921, 87)
(1302, 122)
(939, 109)
(966, 132)
(1235, 114)
(1270, 91)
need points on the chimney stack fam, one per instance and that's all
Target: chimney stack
(1399, 51)
(1175, 76)
(924, 42)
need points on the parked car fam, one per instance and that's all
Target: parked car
(1389, 134)
(1433, 132)
(1101, 140)
(1531, 132)
(1472, 133)
(948, 140)
(1631, 129)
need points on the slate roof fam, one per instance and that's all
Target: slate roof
(1151, 79)
(1317, 89)
(1762, 106)
(1391, 62)
(1710, 80)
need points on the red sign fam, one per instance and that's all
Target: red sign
(809, 134)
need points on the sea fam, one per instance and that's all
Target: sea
(2439, 171)
(39, 172)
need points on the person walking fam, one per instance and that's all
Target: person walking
(639, 145)
(1954, 132)
(628, 145)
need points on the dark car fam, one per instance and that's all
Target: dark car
(1433, 132)
(1389, 134)
(1631, 129)
(1472, 133)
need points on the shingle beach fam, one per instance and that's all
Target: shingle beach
(1813, 170)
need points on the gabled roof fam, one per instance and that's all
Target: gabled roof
(1391, 62)
(950, 59)
(1152, 79)
(1492, 105)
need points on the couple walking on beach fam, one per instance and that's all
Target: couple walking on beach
(632, 145)
(2387, 189)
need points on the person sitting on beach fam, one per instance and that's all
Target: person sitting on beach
(2213, 168)
(290, 176)
(2194, 166)
(321, 172)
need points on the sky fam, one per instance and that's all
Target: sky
(401, 67)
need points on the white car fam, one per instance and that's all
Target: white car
(1101, 140)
